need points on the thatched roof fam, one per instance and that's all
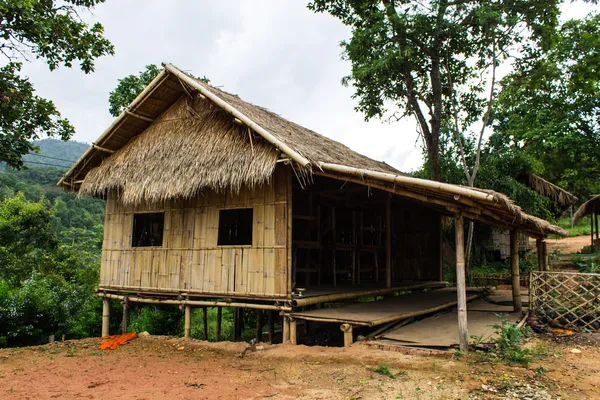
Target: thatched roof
(557, 194)
(592, 206)
(181, 136)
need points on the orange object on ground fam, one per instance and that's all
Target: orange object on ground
(113, 342)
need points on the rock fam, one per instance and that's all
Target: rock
(575, 351)
(144, 334)
(180, 348)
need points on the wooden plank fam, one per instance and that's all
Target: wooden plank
(280, 272)
(240, 273)
(228, 278)
(281, 228)
(185, 277)
(258, 225)
(198, 265)
(255, 267)
(269, 271)
(269, 224)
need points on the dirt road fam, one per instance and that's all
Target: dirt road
(168, 368)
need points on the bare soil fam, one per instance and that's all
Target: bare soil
(568, 245)
(173, 368)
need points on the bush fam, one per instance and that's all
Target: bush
(509, 341)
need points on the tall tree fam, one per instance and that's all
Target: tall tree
(404, 54)
(549, 107)
(54, 32)
(129, 87)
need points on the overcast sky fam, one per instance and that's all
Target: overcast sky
(276, 54)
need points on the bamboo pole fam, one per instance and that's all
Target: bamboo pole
(205, 320)
(546, 256)
(259, 325)
(514, 266)
(293, 331)
(187, 322)
(409, 181)
(592, 231)
(237, 325)
(348, 339)
(461, 290)
(285, 329)
(219, 320)
(236, 113)
(199, 303)
(388, 241)
(125, 314)
(596, 219)
(540, 253)
(105, 316)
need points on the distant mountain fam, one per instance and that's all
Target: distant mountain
(56, 153)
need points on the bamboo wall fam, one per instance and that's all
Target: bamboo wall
(190, 259)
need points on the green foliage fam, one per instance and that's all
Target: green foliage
(405, 54)
(132, 85)
(582, 227)
(385, 370)
(564, 134)
(509, 342)
(54, 32)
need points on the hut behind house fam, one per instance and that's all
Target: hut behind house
(213, 201)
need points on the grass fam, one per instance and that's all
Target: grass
(582, 228)
(385, 370)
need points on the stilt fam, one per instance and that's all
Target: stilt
(205, 320)
(461, 289)
(285, 330)
(219, 319)
(187, 330)
(546, 256)
(348, 339)
(259, 324)
(293, 331)
(592, 230)
(388, 240)
(539, 245)
(105, 316)
(271, 323)
(596, 219)
(237, 325)
(514, 266)
(125, 314)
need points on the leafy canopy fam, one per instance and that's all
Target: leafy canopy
(54, 32)
(132, 85)
(405, 55)
(549, 107)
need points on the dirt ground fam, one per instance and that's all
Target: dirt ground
(568, 245)
(173, 368)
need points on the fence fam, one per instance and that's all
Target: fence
(569, 298)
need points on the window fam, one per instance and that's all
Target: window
(148, 229)
(235, 227)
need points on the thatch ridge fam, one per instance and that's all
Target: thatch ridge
(557, 194)
(191, 147)
(587, 208)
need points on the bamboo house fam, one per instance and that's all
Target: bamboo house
(214, 202)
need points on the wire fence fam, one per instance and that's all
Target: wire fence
(569, 299)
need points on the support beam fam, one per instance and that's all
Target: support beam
(539, 245)
(596, 223)
(285, 329)
(592, 231)
(105, 316)
(205, 320)
(461, 288)
(104, 149)
(187, 330)
(260, 322)
(293, 331)
(125, 315)
(388, 240)
(219, 320)
(514, 266)
(138, 116)
(546, 256)
(271, 324)
(348, 339)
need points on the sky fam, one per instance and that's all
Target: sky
(276, 54)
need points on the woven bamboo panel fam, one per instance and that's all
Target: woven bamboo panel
(571, 299)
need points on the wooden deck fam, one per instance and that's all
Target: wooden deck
(387, 310)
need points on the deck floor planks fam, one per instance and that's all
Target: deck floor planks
(393, 308)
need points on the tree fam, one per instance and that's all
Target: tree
(54, 32)
(549, 107)
(406, 55)
(132, 85)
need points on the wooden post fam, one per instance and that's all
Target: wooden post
(271, 323)
(259, 325)
(187, 330)
(388, 240)
(205, 320)
(125, 313)
(237, 331)
(461, 289)
(592, 230)
(539, 245)
(546, 256)
(293, 331)
(105, 316)
(596, 219)
(285, 330)
(348, 339)
(514, 266)
(219, 319)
